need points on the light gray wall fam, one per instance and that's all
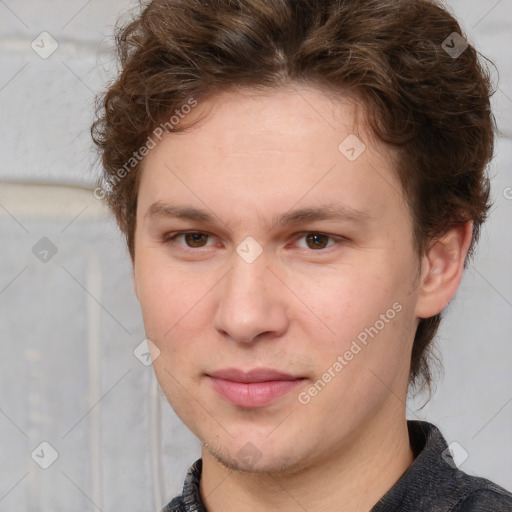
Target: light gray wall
(69, 321)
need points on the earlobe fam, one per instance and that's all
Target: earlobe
(442, 268)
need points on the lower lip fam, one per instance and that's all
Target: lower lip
(253, 394)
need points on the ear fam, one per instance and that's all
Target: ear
(441, 269)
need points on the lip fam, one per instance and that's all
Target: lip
(253, 388)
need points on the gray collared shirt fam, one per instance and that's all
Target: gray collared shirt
(432, 483)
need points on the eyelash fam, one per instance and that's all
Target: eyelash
(171, 237)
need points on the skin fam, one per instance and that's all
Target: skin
(297, 307)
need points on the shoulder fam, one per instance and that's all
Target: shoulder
(484, 496)
(176, 505)
(435, 483)
(190, 498)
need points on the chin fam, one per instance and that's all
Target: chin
(250, 459)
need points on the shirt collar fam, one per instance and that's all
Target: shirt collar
(428, 470)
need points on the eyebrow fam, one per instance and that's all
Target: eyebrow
(327, 212)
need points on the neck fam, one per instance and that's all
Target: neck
(356, 476)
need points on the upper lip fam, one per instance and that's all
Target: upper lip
(253, 375)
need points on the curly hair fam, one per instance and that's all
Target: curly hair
(424, 95)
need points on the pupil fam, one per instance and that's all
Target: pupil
(316, 239)
(194, 239)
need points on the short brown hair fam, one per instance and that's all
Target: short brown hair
(431, 104)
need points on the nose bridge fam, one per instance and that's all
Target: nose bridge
(250, 304)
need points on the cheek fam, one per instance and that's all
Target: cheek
(165, 295)
(156, 301)
(349, 300)
(366, 313)
(176, 313)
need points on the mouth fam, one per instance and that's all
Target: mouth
(253, 388)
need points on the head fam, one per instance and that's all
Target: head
(251, 111)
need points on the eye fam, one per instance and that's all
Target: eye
(193, 239)
(318, 241)
(196, 240)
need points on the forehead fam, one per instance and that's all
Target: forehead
(250, 152)
(277, 120)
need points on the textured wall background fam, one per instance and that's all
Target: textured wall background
(69, 321)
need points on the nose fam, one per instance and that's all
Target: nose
(252, 302)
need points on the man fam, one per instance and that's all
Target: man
(300, 184)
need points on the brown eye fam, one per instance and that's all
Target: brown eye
(317, 240)
(192, 240)
(195, 239)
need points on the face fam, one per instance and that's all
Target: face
(277, 275)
